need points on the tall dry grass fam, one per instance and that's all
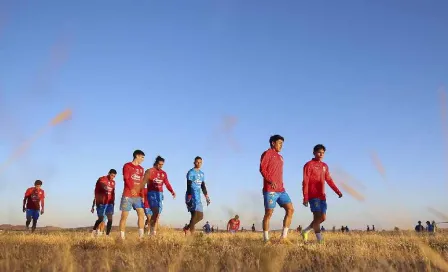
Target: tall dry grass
(171, 251)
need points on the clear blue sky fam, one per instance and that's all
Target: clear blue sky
(160, 76)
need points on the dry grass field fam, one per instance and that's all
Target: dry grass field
(171, 251)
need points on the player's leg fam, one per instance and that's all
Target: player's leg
(35, 217)
(109, 216)
(270, 201)
(28, 218)
(125, 207)
(316, 209)
(138, 205)
(285, 202)
(156, 203)
(100, 210)
(109, 224)
(196, 217)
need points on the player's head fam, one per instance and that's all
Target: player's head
(38, 183)
(139, 156)
(197, 162)
(319, 151)
(159, 162)
(276, 142)
(112, 173)
(237, 217)
(419, 222)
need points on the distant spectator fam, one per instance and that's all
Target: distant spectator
(434, 225)
(429, 227)
(207, 229)
(419, 227)
(322, 229)
(343, 229)
(299, 228)
(347, 229)
(373, 227)
(334, 228)
(368, 228)
(253, 227)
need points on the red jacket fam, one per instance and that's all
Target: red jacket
(315, 173)
(271, 168)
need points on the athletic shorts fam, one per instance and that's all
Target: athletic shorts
(32, 214)
(104, 209)
(318, 205)
(232, 231)
(155, 200)
(194, 204)
(272, 198)
(148, 211)
(129, 203)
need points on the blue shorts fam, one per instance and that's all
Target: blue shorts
(155, 200)
(272, 198)
(318, 205)
(195, 204)
(104, 209)
(129, 203)
(148, 211)
(32, 214)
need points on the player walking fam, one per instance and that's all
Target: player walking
(271, 168)
(33, 204)
(195, 183)
(132, 193)
(104, 201)
(148, 212)
(155, 178)
(315, 173)
(234, 224)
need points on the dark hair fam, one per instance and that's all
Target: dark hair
(275, 138)
(319, 147)
(158, 159)
(197, 158)
(138, 152)
(38, 182)
(113, 171)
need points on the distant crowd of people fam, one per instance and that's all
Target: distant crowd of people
(430, 227)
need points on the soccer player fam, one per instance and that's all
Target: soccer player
(148, 212)
(234, 224)
(104, 201)
(315, 173)
(155, 178)
(271, 168)
(195, 183)
(33, 204)
(132, 197)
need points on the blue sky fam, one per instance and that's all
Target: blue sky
(357, 76)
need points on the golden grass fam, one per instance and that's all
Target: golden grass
(171, 251)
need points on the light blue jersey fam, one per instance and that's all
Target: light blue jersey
(197, 177)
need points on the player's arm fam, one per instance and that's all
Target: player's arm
(128, 182)
(27, 193)
(189, 186)
(42, 203)
(331, 183)
(145, 179)
(305, 183)
(168, 185)
(264, 168)
(228, 226)
(204, 191)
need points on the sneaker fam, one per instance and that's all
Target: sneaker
(305, 235)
